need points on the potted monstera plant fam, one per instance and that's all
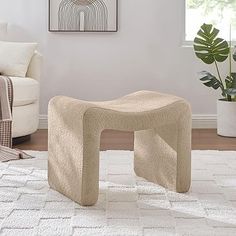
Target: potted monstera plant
(212, 49)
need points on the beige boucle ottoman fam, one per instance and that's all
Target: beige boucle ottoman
(162, 146)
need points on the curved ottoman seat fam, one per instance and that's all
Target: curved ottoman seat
(162, 146)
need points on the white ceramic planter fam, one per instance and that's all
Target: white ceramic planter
(226, 118)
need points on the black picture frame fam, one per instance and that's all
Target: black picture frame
(84, 31)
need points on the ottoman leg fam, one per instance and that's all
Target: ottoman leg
(90, 172)
(73, 155)
(164, 156)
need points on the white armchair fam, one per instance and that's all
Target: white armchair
(26, 99)
(26, 94)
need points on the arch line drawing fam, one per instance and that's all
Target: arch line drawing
(82, 15)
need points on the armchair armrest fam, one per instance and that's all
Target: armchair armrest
(34, 70)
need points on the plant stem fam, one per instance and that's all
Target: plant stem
(229, 98)
(218, 72)
(230, 53)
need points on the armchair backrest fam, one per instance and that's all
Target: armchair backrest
(34, 69)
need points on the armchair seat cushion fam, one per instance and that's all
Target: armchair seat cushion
(26, 91)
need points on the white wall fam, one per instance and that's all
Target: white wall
(146, 53)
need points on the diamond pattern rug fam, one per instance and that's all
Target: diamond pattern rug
(127, 205)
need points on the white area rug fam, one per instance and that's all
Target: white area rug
(127, 205)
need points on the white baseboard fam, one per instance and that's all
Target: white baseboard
(204, 121)
(43, 121)
(199, 122)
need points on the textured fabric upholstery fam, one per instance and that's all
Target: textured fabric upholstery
(26, 91)
(162, 126)
(26, 99)
(16, 57)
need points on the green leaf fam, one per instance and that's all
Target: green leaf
(210, 80)
(219, 58)
(208, 59)
(231, 91)
(233, 75)
(208, 47)
(234, 53)
(230, 81)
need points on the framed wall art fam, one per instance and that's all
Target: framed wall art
(83, 15)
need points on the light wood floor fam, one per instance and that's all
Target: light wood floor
(202, 139)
